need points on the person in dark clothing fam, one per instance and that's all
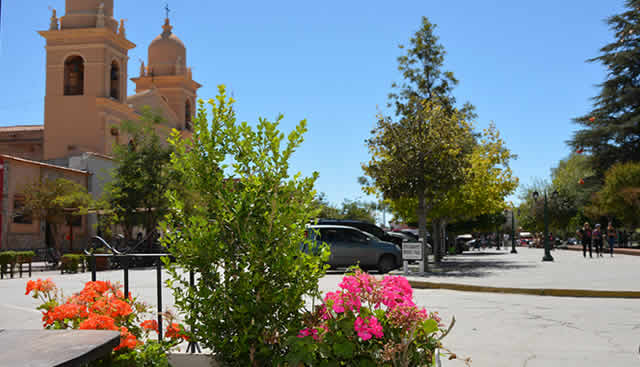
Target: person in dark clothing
(596, 237)
(611, 237)
(585, 238)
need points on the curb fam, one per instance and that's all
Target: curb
(616, 250)
(583, 293)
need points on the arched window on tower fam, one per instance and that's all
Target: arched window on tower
(115, 80)
(74, 76)
(187, 115)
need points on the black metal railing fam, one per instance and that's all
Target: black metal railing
(125, 260)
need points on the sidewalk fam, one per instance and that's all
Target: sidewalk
(480, 270)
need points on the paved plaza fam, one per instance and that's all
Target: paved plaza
(569, 270)
(493, 329)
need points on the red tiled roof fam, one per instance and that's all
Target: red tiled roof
(18, 128)
(41, 164)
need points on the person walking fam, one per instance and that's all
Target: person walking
(585, 238)
(596, 237)
(611, 237)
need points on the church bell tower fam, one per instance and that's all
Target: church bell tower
(86, 77)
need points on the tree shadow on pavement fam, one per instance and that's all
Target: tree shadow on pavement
(471, 264)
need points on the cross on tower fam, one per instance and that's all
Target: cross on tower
(166, 9)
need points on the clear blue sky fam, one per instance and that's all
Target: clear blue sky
(521, 63)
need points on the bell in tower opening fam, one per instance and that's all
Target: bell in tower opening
(74, 76)
(115, 81)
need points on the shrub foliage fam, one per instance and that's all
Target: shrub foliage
(240, 231)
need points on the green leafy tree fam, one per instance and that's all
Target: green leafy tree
(136, 193)
(425, 152)
(243, 239)
(530, 212)
(324, 208)
(611, 131)
(56, 202)
(575, 182)
(572, 178)
(421, 156)
(488, 180)
(358, 210)
(620, 195)
(350, 209)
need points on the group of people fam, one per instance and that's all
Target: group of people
(595, 238)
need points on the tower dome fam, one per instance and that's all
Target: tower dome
(167, 54)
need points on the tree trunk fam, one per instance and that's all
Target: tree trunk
(422, 227)
(437, 243)
(54, 237)
(443, 237)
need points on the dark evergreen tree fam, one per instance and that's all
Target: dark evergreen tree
(136, 194)
(610, 133)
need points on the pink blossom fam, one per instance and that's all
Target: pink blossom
(367, 328)
(309, 332)
(324, 313)
(340, 301)
(396, 291)
(334, 300)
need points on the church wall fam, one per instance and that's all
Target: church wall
(177, 101)
(22, 141)
(32, 151)
(71, 123)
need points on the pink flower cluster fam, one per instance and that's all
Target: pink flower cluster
(309, 332)
(359, 295)
(368, 327)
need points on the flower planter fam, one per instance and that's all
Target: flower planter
(102, 263)
(191, 360)
(71, 263)
(205, 360)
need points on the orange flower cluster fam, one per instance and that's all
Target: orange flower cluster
(127, 340)
(99, 306)
(67, 311)
(176, 331)
(40, 286)
(150, 325)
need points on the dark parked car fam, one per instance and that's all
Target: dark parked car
(363, 226)
(351, 246)
(409, 232)
(402, 236)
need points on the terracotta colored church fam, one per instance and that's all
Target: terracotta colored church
(85, 102)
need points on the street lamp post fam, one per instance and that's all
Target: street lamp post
(513, 233)
(547, 246)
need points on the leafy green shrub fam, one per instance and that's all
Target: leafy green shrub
(7, 257)
(24, 256)
(70, 262)
(240, 231)
(7, 261)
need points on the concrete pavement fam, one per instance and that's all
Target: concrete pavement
(498, 330)
(504, 330)
(569, 270)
